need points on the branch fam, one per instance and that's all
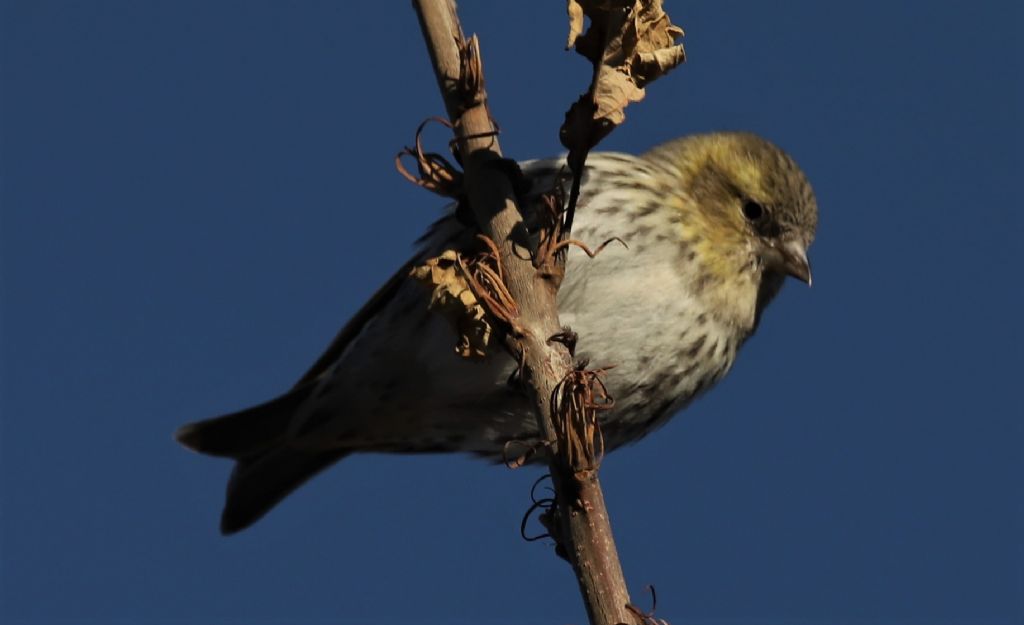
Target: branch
(583, 529)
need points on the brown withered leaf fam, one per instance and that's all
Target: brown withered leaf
(631, 43)
(452, 297)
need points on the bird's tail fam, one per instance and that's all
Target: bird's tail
(266, 469)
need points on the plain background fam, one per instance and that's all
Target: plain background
(197, 194)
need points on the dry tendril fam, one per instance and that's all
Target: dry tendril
(547, 504)
(436, 173)
(648, 618)
(575, 404)
(553, 240)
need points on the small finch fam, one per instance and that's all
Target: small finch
(714, 223)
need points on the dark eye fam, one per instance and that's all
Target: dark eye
(752, 210)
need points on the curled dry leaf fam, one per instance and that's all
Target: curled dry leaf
(631, 43)
(453, 298)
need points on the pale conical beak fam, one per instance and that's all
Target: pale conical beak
(794, 261)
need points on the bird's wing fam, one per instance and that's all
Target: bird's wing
(438, 235)
(542, 173)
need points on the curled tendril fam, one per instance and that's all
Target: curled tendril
(575, 404)
(435, 172)
(545, 503)
(648, 618)
(486, 278)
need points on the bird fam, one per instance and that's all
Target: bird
(713, 225)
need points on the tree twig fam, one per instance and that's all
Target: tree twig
(584, 528)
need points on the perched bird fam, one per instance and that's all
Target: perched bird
(714, 223)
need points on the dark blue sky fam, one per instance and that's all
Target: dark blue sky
(197, 194)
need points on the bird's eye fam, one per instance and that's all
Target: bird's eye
(752, 210)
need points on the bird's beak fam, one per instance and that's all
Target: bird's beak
(794, 260)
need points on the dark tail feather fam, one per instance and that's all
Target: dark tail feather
(259, 483)
(267, 469)
(247, 432)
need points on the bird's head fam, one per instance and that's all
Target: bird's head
(752, 211)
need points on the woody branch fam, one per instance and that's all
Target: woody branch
(584, 530)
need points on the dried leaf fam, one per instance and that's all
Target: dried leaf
(452, 297)
(575, 22)
(631, 43)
